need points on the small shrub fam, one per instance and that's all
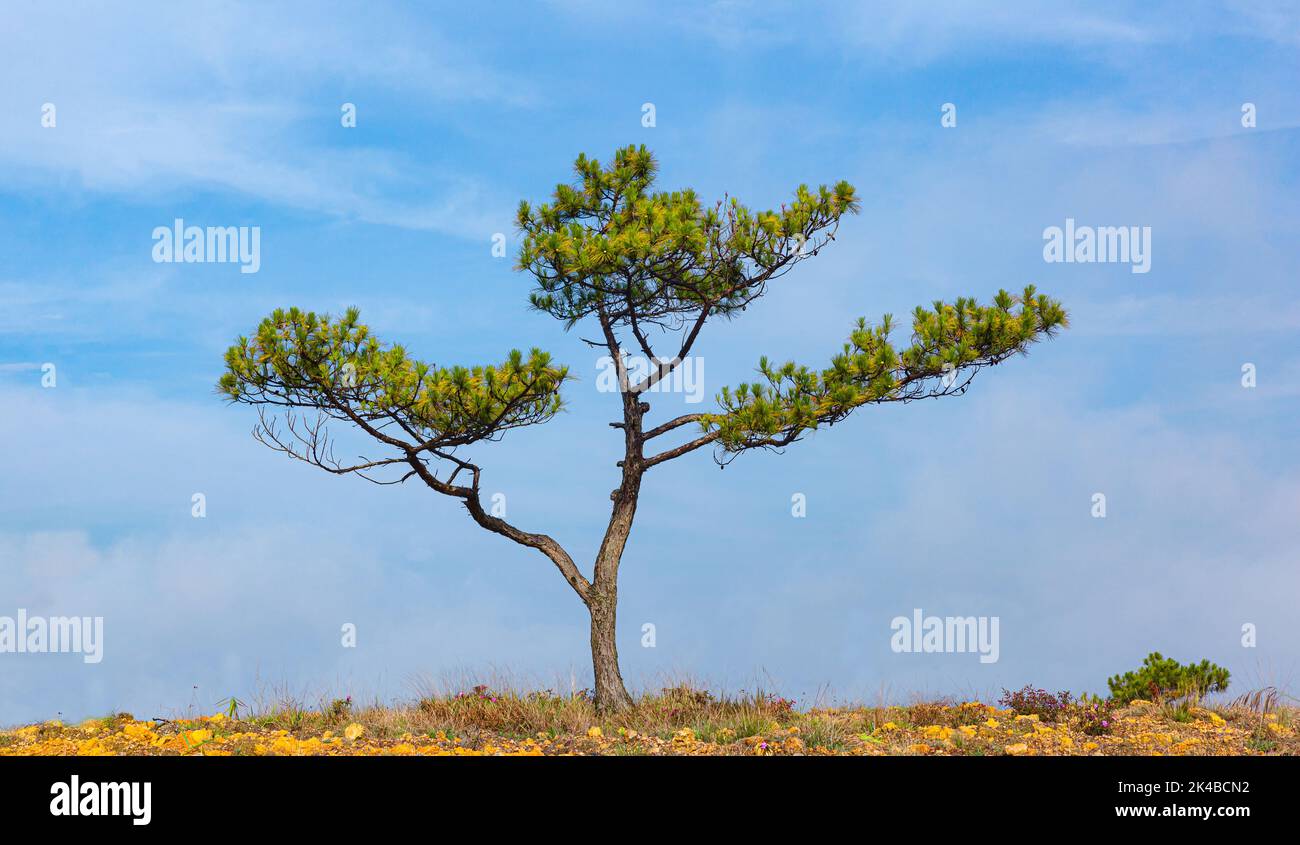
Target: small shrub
(776, 705)
(678, 705)
(1036, 702)
(340, 708)
(925, 713)
(1093, 716)
(481, 693)
(945, 713)
(686, 697)
(1161, 678)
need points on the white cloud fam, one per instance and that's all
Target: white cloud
(984, 508)
(98, 523)
(238, 97)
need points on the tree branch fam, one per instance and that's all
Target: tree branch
(470, 497)
(683, 449)
(685, 419)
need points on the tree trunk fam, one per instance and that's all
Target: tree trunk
(602, 599)
(611, 695)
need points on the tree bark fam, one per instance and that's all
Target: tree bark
(602, 598)
(611, 695)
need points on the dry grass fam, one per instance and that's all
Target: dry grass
(481, 711)
(680, 719)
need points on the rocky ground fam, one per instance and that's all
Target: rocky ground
(677, 722)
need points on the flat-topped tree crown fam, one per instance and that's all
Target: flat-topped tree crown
(337, 368)
(606, 245)
(653, 265)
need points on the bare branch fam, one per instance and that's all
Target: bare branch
(685, 419)
(683, 449)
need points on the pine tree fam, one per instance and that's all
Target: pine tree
(644, 267)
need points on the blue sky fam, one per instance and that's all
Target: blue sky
(228, 114)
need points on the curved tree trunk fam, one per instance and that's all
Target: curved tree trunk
(611, 694)
(602, 600)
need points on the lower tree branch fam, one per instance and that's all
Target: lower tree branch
(542, 542)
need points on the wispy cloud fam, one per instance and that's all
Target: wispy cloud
(193, 113)
(913, 34)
